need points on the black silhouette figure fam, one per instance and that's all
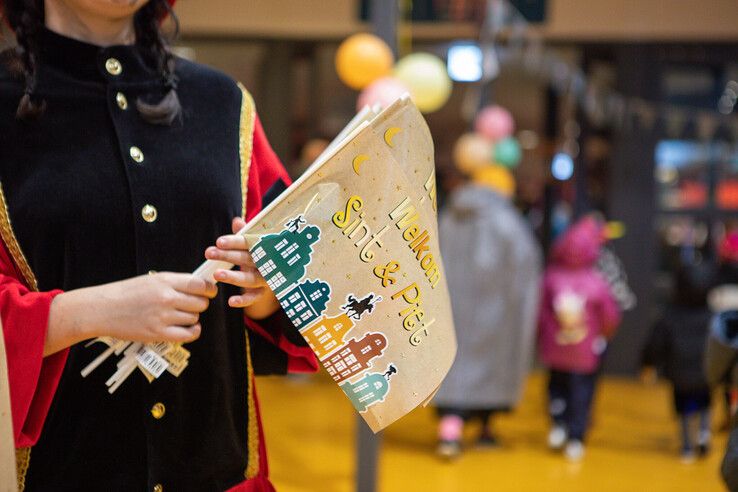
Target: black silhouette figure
(390, 371)
(294, 224)
(356, 308)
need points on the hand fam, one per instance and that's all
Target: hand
(162, 307)
(256, 297)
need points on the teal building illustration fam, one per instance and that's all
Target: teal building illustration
(306, 301)
(282, 258)
(370, 389)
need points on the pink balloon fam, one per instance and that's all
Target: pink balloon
(495, 123)
(384, 92)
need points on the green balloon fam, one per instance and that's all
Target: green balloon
(507, 152)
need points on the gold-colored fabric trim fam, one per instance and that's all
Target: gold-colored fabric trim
(22, 455)
(246, 142)
(253, 426)
(22, 462)
(8, 236)
(245, 149)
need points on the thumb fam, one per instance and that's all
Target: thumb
(237, 224)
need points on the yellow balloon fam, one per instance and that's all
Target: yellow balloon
(496, 177)
(471, 152)
(363, 58)
(427, 78)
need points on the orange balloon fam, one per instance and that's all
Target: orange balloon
(497, 178)
(363, 58)
(471, 152)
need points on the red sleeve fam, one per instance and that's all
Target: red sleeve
(265, 171)
(33, 378)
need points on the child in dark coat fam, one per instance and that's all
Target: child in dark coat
(676, 347)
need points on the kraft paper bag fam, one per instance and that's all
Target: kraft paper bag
(351, 251)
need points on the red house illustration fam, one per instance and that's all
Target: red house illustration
(355, 356)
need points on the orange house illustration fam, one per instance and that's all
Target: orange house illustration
(355, 356)
(327, 334)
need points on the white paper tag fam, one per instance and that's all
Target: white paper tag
(151, 361)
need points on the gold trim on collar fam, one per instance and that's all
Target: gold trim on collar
(246, 142)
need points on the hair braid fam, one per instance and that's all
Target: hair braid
(26, 18)
(149, 36)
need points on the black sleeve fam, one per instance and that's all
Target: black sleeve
(266, 357)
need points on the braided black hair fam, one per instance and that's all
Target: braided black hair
(26, 18)
(147, 24)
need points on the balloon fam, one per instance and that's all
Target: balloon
(471, 152)
(427, 78)
(363, 58)
(495, 123)
(496, 177)
(507, 152)
(384, 92)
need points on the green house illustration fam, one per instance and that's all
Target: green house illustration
(369, 390)
(282, 258)
(306, 302)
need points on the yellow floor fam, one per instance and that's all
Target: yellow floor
(632, 447)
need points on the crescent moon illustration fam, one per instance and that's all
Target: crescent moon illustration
(390, 134)
(358, 161)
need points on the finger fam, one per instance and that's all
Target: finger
(179, 334)
(237, 224)
(190, 303)
(181, 318)
(190, 284)
(246, 277)
(232, 241)
(247, 298)
(237, 257)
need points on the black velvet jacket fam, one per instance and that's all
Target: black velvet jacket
(96, 194)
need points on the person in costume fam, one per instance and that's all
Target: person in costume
(119, 160)
(578, 315)
(493, 266)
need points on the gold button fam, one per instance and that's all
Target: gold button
(113, 66)
(158, 488)
(149, 213)
(152, 272)
(136, 154)
(158, 410)
(120, 98)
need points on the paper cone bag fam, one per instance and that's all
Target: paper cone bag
(351, 251)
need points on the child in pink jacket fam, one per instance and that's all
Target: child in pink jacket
(578, 314)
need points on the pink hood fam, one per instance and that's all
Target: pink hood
(578, 309)
(579, 246)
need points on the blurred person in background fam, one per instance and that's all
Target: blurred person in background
(578, 314)
(493, 265)
(676, 347)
